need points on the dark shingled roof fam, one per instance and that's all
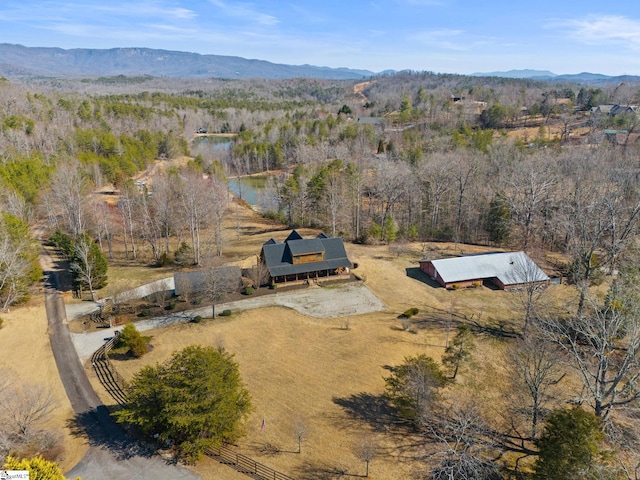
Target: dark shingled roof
(279, 256)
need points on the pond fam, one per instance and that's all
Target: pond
(216, 142)
(251, 189)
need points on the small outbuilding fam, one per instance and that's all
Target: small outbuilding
(506, 270)
(225, 279)
(300, 259)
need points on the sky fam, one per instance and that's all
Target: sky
(444, 36)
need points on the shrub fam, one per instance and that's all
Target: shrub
(170, 306)
(225, 313)
(1, 322)
(145, 312)
(183, 255)
(163, 260)
(455, 286)
(197, 319)
(138, 346)
(248, 291)
(476, 284)
(411, 312)
(131, 338)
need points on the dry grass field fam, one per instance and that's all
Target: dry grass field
(298, 367)
(26, 352)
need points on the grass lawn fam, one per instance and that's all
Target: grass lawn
(298, 367)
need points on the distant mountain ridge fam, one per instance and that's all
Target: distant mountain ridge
(18, 60)
(21, 61)
(584, 77)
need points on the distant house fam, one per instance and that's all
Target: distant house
(614, 110)
(623, 110)
(300, 259)
(602, 110)
(506, 270)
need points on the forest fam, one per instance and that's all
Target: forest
(409, 157)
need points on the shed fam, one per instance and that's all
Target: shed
(507, 270)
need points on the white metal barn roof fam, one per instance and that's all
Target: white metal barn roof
(510, 268)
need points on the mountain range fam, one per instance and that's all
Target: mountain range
(584, 77)
(21, 61)
(18, 60)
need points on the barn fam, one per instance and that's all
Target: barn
(300, 259)
(505, 270)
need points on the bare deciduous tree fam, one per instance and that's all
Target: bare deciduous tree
(464, 445)
(84, 265)
(23, 407)
(68, 194)
(14, 269)
(604, 348)
(300, 431)
(193, 195)
(219, 198)
(535, 370)
(530, 287)
(366, 449)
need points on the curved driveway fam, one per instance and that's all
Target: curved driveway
(112, 454)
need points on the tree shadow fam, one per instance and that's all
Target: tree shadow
(60, 276)
(323, 471)
(497, 329)
(372, 409)
(102, 431)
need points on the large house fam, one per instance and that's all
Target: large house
(300, 259)
(506, 270)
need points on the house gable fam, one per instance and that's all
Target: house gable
(303, 258)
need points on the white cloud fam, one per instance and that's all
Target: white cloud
(442, 38)
(608, 29)
(245, 11)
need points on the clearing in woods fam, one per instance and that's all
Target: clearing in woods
(330, 372)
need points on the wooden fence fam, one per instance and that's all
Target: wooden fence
(245, 465)
(114, 383)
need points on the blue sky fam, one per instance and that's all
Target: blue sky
(449, 36)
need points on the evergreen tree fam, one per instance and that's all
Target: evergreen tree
(194, 401)
(459, 351)
(498, 222)
(413, 387)
(569, 446)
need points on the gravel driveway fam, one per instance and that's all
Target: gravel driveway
(319, 302)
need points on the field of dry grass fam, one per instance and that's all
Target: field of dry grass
(333, 378)
(302, 367)
(26, 352)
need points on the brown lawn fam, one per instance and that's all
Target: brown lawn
(302, 367)
(26, 352)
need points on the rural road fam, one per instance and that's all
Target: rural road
(113, 454)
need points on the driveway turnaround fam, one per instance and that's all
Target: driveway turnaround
(319, 302)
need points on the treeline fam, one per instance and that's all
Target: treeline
(429, 168)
